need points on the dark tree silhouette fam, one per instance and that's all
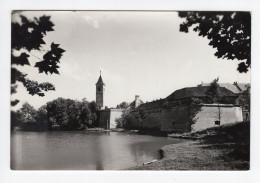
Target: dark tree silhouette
(27, 36)
(228, 32)
(213, 93)
(122, 105)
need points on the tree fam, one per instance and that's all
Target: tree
(61, 114)
(88, 115)
(57, 112)
(125, 120)
(41, 118)
(73, 111)
(71, 114)
(244, 98)
(214, 96)
(15, 119)
(213, 93)
(28, 113)
(122, 105)
(93, 109)
(228, 32)
(41, 114)
(27, 36)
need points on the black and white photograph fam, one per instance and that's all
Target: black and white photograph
(130, 90)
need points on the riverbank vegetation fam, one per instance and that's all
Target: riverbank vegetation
(59, 114)
(220, 148)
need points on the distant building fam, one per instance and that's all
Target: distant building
(100, 92)
(106, 117)
(240, 89)
(184, 110)
(179, 113)
(135, 103)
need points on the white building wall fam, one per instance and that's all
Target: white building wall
(209, 114)
(114, 114)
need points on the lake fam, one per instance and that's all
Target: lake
(63, 150)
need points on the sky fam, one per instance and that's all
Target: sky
(138, 53)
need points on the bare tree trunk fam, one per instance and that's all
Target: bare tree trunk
(219, 113)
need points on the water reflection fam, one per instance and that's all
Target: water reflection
(83, 150)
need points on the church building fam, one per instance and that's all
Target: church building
(106, 116)
(100, 88)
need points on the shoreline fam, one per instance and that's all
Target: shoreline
(219, 148)
(192, 155)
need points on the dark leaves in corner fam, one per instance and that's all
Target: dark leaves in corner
(34, 88)
(242, 67)
(228, 32)
(29, 34)
(20, 60)
(50, 60)
(14, 102)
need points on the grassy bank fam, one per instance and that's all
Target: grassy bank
(219, 148)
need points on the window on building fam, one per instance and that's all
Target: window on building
(173, 123)
(217, 122)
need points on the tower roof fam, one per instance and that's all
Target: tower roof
(100, 81)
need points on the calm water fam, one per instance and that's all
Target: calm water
(83, 150)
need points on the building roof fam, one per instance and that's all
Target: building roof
(100, 81)
(199, 91)
(132, 104)
(234, 87)
(151, 105)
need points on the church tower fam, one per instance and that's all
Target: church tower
(100, 92)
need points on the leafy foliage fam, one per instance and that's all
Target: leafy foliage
(228, 32)
(51, 59)
(125, 120)
(13, 103)
(27, 36)
(213, 94)
(122, 105)
(71, 114)
(63, 114)
(244, 98)
(30, 33)
(28, 113)
(15, 119)
(141, 115)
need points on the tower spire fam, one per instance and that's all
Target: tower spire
(100, 92)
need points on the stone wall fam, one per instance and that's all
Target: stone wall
(104, 118)
(151, 119)
(176, 119)
(209, 114)
(179, 118)
(164, 119)
(107, 117)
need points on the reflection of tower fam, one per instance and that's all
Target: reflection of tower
(100, 92)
